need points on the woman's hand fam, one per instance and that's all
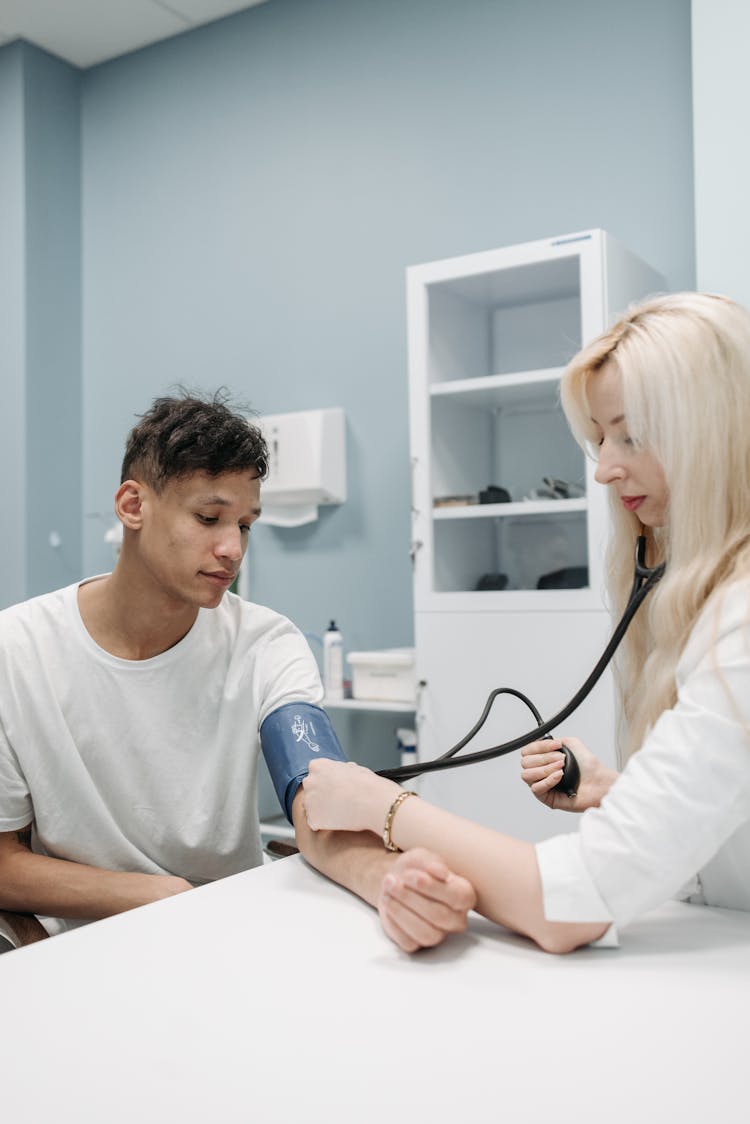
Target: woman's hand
(342, 796)
(419, 899)
(422, 901)
(542, 768)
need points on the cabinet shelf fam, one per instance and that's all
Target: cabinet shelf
(527, 508)
(501, 389)
(490, 336)
(367, 704)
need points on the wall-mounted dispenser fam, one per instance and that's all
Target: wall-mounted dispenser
(307, 465)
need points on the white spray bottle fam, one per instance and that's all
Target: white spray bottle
(333, 662)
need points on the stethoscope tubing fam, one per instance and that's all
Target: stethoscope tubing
(645, 578)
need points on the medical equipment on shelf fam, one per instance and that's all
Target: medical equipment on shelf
(644, 580)
(291, 737)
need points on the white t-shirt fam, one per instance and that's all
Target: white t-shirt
(143, 765)
(678, 817)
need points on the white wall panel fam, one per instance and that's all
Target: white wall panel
(721, 102)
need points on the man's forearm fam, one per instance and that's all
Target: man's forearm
(354, 859)
(419, 899)
(31, 883)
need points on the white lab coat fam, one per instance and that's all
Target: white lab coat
(677, 820)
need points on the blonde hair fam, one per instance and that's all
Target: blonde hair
(684, 362)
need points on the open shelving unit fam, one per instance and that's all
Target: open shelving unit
(489, 337)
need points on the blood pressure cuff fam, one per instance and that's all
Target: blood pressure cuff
(291, 737)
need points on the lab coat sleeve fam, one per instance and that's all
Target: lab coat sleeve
(680, 798)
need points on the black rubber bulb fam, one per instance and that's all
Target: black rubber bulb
(571, 778)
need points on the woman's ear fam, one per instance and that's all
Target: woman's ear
(129, 504)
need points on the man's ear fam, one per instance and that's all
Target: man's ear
(129, 504)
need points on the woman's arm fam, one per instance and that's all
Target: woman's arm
(502, 870)
(682, 796)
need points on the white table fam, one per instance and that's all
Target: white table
(273, 996)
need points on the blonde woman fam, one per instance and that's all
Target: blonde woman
(662, 401)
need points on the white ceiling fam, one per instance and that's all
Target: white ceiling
(86, 32)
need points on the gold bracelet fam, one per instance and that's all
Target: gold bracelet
(389, 844)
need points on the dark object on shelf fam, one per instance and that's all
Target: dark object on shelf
(492, 581)
(572, 577)
(493, 493)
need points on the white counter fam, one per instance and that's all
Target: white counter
(273, 996)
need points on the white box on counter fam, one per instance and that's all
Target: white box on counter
(389, 675)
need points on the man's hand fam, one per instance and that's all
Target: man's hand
(421, 901)
(541, 769)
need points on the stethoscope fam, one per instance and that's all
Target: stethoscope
(644, 579)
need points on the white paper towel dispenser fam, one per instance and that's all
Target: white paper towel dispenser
(306, 465)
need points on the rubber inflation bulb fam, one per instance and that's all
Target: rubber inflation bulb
(571, 777)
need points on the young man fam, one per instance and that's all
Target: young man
(131, 706)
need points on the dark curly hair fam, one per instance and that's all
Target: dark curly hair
(182, 435)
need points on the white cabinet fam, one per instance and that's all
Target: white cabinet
(507, 584)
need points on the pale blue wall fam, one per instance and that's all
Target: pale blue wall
(40, 322)
(253, 192)
(54, 399)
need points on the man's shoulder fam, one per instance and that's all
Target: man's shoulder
(275, 653)
(35, 610)
(248, 626)
(252, 618)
